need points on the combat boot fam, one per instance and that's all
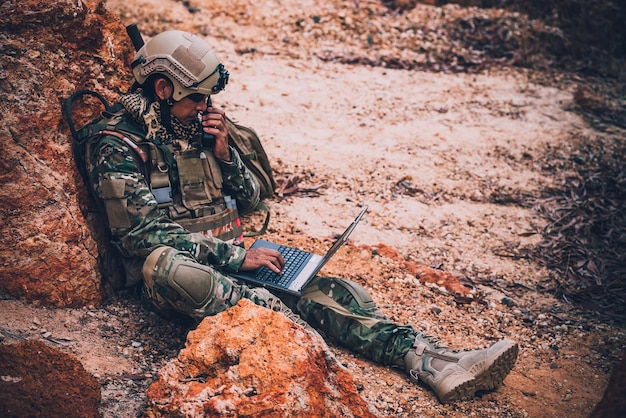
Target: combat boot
(458, 375)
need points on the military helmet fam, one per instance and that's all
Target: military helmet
(185, 59)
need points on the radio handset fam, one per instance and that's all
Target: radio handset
(208, 140)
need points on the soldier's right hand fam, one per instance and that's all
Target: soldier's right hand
(263, 257)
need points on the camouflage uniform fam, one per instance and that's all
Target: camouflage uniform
(339, 309)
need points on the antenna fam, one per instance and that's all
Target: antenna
(135, 36)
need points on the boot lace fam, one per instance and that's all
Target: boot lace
(434, 341)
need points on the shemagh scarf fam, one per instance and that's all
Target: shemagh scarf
(149, 114)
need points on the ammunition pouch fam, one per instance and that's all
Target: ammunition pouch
(200, 178)
(114, 199)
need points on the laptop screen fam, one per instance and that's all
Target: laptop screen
(344, 237)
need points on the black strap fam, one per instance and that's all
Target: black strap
(260, 206)
(70, 100)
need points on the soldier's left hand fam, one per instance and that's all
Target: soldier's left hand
(214, 122)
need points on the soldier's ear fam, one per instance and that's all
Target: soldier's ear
(163, 89)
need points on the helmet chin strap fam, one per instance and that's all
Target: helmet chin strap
(166, 114)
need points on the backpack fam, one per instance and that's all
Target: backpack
(247, 143)
(242, 138)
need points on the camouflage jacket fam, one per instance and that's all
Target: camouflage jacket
(118, 179)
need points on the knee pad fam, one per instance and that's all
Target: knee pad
(347, 293)
(337, 304)
(167, 267)
(351, 296)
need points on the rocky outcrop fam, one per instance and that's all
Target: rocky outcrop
(48, 50)
(39, 381)
(251, 361)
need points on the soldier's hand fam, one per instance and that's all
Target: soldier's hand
(214, 122)
(258, 257)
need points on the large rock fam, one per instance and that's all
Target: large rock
(251, 361)
(48, 50)
(39, 381)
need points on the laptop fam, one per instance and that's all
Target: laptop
(300, 266)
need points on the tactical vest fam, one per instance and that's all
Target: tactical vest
(186, 184)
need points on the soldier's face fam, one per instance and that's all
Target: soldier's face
(186, 110)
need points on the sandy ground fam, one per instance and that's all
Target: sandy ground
(353, 133)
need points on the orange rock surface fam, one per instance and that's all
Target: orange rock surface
(251, 361)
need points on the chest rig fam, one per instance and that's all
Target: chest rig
(187, 184)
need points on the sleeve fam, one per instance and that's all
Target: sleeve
(239, 182)
(134, 217)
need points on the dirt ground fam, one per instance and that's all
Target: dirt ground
(426, 151)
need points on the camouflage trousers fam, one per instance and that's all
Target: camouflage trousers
(340, 309)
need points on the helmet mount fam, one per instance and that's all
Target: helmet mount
(221, 82)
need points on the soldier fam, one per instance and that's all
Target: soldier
(165, 183)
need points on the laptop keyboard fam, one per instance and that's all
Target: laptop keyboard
(293, 259)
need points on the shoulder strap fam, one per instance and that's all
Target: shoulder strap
(128, 141)
(68, 107)
(260, 206)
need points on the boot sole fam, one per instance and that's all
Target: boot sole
(492, 377)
